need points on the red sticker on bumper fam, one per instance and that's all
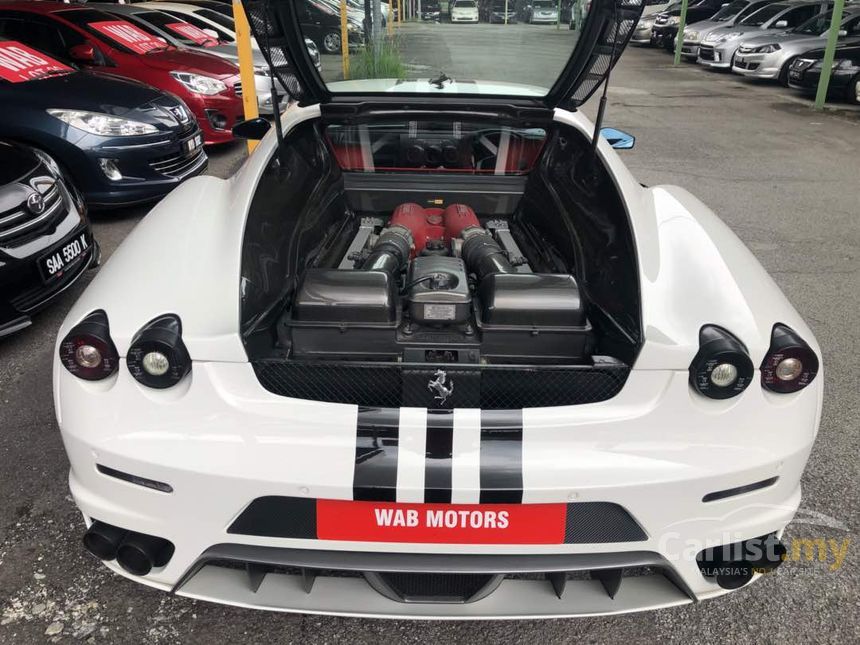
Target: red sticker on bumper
(441, 523)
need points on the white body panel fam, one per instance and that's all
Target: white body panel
(221, 440)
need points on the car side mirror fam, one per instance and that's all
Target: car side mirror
(83, 53)
(618, 139)
(780, 24)
(251, 129)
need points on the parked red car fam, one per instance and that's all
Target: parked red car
(209, 85)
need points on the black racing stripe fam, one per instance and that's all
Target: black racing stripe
(438, 456)
(501, 456)
(375, 475)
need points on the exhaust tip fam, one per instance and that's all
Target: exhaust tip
(734, 575)
(103, 540)
(733, 565)
(140, 553)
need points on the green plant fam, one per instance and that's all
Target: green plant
(379, 60)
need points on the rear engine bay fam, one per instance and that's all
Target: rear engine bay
(426, 246)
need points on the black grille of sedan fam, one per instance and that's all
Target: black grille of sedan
(179, 164)
(34, 215)
(237, 89)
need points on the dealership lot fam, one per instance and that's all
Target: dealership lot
(783, 177)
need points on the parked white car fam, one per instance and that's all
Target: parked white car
(464, 11)
(418, 360)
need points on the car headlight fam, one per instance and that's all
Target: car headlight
(691, 35)
(103, 125)
(724, 37)
(767, 49)
(673, 20)
(351, 26)
(199, 84)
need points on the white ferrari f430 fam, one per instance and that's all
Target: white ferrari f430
(434, 352)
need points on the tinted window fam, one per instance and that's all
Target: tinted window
(202, 24)
(217, 18)
(751, 9)
(815, 26)
(852, 26)
(729, 10)
(763, 15)
(798, 16)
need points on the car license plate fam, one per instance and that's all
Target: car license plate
(193, 143)
(441, 523)
(53, 265)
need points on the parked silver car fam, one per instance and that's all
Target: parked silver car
(642, 30)
(771, 55)
(719, 46)
(730, 14)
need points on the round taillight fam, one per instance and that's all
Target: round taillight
(87, 351)
(722, 367)
(790, 364)
(157, 356)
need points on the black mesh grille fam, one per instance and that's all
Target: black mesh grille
(449, 587)
(271, 38)
(619, 25)
(489, 387)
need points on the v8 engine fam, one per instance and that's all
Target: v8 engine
(436, 285)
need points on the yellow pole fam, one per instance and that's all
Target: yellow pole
(344, 40)
(246, 66)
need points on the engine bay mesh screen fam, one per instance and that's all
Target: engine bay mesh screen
(436, 386)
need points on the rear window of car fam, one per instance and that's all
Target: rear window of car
(464, 4)
(763, 15)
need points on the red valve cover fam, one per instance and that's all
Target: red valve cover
(433, 223)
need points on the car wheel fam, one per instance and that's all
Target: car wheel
(331, 43)
(783, 73)
(852, 94)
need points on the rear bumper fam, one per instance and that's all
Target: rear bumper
(220, 441)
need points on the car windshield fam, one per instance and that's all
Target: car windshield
(763, 15)
(815, 26)
(20, 63)
(117, 32)
(729, 11)
(183, 32)
(218, 18)
(448, 57)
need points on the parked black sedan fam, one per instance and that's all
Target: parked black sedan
(805, 72)
(45, 238)
(666, 23)
(120, 141)
(503, 11)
